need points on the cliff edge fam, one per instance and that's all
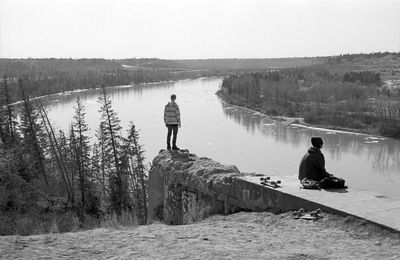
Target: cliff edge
(184, 188)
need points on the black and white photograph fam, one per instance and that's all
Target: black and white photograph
(200, 129)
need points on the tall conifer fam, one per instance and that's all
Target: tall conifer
(111, 139)
(136, 158)
(32, 135)
(81, 146)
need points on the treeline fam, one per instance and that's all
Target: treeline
(56, 181)
(353, 100)
(49, 76)
(352, 57)
(250, 64)
(48, 66)
(366, 77)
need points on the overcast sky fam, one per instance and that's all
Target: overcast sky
(184, 29)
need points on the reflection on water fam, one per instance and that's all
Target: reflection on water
(232, 135)
(382, 153)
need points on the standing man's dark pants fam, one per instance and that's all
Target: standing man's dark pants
(174, 130)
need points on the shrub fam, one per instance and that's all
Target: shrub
(126, 218)
(390, 129)
(310, 117)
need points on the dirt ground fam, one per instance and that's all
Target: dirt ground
(239, 236)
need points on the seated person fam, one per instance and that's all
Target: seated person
(312, 173)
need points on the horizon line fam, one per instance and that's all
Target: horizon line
(225, 58)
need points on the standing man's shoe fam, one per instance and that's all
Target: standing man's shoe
(175, 148)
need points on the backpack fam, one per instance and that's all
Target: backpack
(332, 182)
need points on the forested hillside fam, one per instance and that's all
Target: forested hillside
(350, 91)
(250, 64)
(51, 180)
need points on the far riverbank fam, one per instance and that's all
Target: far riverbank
(300, 121)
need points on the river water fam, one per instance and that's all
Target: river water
(233, 135)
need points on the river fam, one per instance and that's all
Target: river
(233, 135)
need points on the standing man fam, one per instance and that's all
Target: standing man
(172, 120)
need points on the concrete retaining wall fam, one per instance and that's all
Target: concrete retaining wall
(185, 189)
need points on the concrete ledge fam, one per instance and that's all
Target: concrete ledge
(184, 189)
(370, 206)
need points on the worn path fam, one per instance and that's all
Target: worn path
(238, 236)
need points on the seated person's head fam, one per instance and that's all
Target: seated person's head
(317, 142)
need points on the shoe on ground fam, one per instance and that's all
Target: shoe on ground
(175, 148)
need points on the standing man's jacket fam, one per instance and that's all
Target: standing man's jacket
(172, 116)
(312, 165)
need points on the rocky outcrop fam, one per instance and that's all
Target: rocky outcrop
(184, 188)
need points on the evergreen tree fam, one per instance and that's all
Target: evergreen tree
(81, 146)
(55, 151)
(138, 176)
(8, 122)
(66, 155)
(3, 138)
(99, 166)
(111, 140)
(32, 135)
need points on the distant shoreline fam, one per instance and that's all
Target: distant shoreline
(67, 93)
(299, 121)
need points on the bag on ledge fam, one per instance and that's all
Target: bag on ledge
(309, 184)
(332, 182)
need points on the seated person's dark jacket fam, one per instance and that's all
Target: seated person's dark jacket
(312, 165)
